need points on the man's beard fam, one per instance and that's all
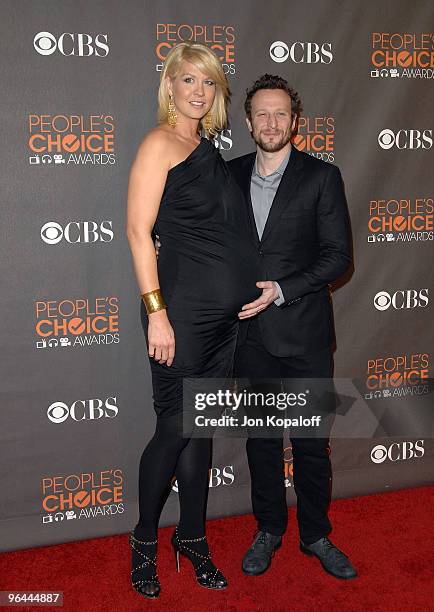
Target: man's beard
(272, 147)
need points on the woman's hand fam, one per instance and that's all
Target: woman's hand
(161, 337)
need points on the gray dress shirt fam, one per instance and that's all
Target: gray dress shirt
(262, 192)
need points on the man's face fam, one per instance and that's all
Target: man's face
(271, 123)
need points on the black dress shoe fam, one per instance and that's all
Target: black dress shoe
(333, 560)
(258, 558)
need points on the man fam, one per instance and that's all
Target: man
(300, 225)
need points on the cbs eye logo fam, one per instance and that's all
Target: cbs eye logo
(279, 51)
(51, 232)
(386, 139)
(382, 300)
(45, 43)
(379, 454)
(58, 412)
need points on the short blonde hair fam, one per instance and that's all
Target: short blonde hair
(206, 61)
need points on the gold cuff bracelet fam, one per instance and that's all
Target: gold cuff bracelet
(153, 301)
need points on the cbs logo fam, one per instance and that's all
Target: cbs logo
(398, 451)
(82, 45)
(409, 298)
(301, 52)
(77, 232)
(223, 140)
(405, 139)
(217, 477)
(82, 410)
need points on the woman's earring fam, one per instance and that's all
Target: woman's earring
(207, 122)
(171, 112)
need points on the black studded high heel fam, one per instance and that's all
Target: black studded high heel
(144, 577)
(207, 575)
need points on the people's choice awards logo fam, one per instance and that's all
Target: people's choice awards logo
(220, 38)
(405, 139)
(396, 376)
(398, 451)
(81, 410)
(81, 45)
(61, 140)
(301, 52)
(82, 496)
(402, 54)
(404, 220)
(77, 232)
(403, 299)
(316, 136)
(77, 322)
(288, 466)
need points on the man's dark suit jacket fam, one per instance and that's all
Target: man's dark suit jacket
(305, 246)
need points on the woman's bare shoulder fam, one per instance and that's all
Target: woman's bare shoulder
(157, 139)
(155, 143)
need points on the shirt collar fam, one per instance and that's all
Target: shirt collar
(280, 170)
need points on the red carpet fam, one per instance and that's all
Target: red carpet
(389, 538)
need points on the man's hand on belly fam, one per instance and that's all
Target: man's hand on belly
(269, 294)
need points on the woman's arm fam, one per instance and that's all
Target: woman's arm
(146, 184)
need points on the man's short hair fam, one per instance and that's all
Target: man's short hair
(270, 81)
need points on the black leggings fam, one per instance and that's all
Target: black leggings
(169, 454)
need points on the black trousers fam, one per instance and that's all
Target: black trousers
(312, 472)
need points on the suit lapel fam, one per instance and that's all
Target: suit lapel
(288, 184)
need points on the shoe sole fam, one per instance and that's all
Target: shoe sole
(264, 570)
(212, 588)
(147, 596)
(309, 553)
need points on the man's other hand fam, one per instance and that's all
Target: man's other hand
(269, 294)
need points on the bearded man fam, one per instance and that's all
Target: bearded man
(300, 226)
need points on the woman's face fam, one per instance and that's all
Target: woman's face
(193, 91)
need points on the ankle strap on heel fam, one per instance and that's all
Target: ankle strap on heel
(137, 541)
(191, 540)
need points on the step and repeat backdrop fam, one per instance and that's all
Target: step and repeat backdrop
(79, 92)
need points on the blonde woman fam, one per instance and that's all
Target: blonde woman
(180, 188)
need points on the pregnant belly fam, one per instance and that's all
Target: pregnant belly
(216, 284)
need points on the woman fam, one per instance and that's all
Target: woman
(181, 187)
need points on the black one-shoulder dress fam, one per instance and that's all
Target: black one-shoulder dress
(207, 268)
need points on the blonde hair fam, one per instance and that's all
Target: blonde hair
(206, 61)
